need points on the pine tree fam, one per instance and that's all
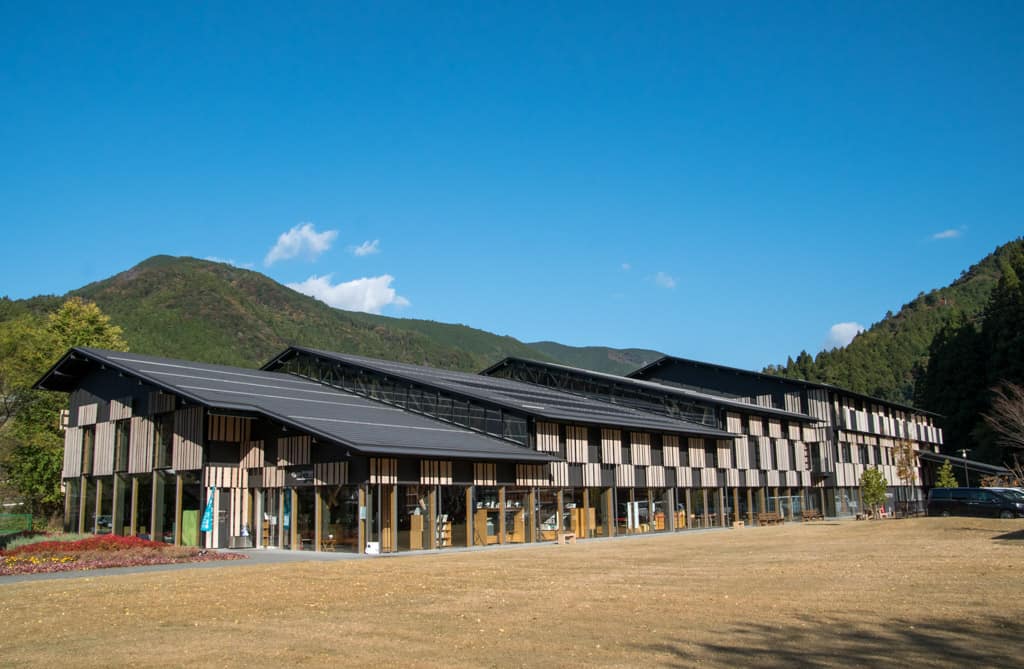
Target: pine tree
(946, 478)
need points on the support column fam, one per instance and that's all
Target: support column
(117, 505)
(135, 507)
(670, 509)
(688, 511)
(822, 497)
(82, 496)
(585, 520)
(432, 517)
(469, 516)
(361, 525)
(501, 514)
(736, 505)
(99, 504)
(608, 505)
(775, 494)
(789, 503)
(721, 506)
(860, 500)
(156, 524)
(531, 516)
(318, 519)
(750, 506)
(761, 495)
(394, 518)
(560, 504)
(179, 495)
(704, 509)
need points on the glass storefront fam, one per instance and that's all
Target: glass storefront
(340, 517)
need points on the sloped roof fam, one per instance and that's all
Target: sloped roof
(365, 425)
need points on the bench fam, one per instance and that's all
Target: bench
(769, 518)
(811, 514)
(566, 537)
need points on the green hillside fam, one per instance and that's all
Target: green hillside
(885, 359)
(599, 358)
(213, 312)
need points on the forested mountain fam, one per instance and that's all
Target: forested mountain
(213, 312)
(970, 357)
(600, 358)
(885, 359)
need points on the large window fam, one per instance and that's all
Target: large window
(163, 438)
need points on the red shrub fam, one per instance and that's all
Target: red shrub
(104, 542)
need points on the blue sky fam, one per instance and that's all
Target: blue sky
(722, 183)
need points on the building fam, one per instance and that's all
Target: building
(327, 451)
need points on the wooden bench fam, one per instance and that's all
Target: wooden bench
(566, 537)
(811, 514)
(769, 518)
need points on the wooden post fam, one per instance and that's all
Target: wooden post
(763, 507)
(704, 509)
(432, 520)
(670, 509)
(585, 528)
(775, 494)
(736, 505)
(179, 496)
(116, 519)
(98, 506)
(789, 503)
(822, 497)
(560, 503)
(688, 523)
(608, 503)
(721, 506)
(750, 506)
(135, 507)
(361, 525)
(501, 514)
(469, 516)
(394, 518)
(318, 519)
(531, 516)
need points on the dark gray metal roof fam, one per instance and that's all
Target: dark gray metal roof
(983, 467)
(661, 388)
(527, 398)
(365, 425)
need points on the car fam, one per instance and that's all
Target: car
(984, 502)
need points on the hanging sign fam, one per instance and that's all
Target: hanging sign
(207, 523)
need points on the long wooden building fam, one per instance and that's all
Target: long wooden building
(326, 451)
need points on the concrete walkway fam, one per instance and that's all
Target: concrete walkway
(256, 557)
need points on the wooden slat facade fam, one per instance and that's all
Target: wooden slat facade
(696, 454)
(485, 474)
(161, 402)
(436, 472)
(576, 447)
(187, 443)
(293, 451)
(121, 409)
(103, 455)
(252, 455)
(532, 475)
(87, 414)
(140, 446)
(559, 472)
(592, 474)
(547, 437)
(670, 450)
(227, 428)
(330, 473)
(640, 448)
(72, 453)
(611, 446)
(384, 471)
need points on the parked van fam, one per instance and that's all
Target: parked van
(984, 502)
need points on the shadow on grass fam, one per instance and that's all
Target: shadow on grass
(1011, 536)
(990, 641)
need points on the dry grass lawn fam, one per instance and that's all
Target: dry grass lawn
(930, 591)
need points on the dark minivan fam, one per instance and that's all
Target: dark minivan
(974, 502)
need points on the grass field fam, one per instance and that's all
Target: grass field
(931, 591)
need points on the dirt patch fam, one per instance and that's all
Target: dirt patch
(936, 591)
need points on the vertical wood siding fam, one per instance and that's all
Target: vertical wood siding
(187, 443)
(547, 437)
(436, 472)
(611, 446)
(293, 450)
(103, 455)
(72, 453)
(140, 446)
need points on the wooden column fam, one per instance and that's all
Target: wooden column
(361, 524)
(789, 503)
(394, 518)
(501, 514)
(98, 506)
(608, 504)
(179, 495)
(116, 519)
(822, 497)
(689, 510)
(736, 505)
(721, 506)
(670, 509)
(704, 509)
(750, 506)
(775, 494)
(432, 520)
(82, 496)
(585, 528)
(531, 516)
(318, 519)
(156, 524)
(469, 516)
(763, 508)
(860, 500)
(135, 507)
(560, 503)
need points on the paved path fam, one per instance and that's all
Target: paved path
(274, 556)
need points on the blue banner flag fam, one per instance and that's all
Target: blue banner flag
(207, 523)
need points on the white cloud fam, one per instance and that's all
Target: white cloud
(367, 248)
(626, 267)
(229, 261)
(664, 280)
(369, 294)
(952, 233)
(303, 239)
(842, 334)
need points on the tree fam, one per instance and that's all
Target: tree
(905, 460)
(872, 489)
(1006, 416)
(946, 478)
(31, 437)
